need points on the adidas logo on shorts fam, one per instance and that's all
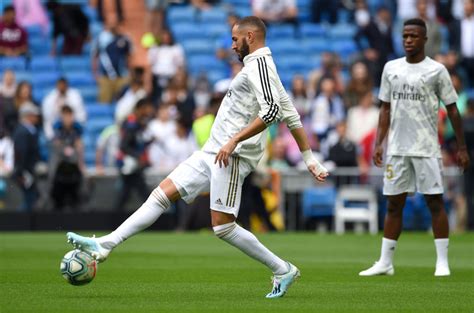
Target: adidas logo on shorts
(218, 201)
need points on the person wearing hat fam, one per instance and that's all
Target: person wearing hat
(26, 146)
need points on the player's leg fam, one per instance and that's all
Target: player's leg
(430, 183)
(157, 203)
(392, 230)
(226, 191)
(439, 220)
(398, 181)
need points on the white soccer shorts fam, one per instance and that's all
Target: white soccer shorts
(199, 174)
(413, 174)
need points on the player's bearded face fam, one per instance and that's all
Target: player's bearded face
(243, 51)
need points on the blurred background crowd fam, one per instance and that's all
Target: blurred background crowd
(90, 88)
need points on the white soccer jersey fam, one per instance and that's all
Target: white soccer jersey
(414, 92)
(255, 91)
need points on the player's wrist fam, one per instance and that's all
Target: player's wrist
(308, 157)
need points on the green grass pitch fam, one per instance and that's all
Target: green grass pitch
(196, 272)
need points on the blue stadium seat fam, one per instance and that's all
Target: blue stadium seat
(99, 110)
(89, 94)
(281, 31)
(40, 93)
(215, 30)
(344, 47)
(198, 46)
(80, 79)
(204, 63)
(13, 63)
(319, 201)
(89, 141)
(43, 63)
(292, 63)
(34, 31)
(342, 31)
(311, 30)
(216, 75)
(243, 10)
(304, 15)
(179, 14)
(89, 157)
(285, 46)
(23, 76)
(239, 3)
(45, 79)
(95, 125)
(75, 63)
(39, 45)
(182, 31)
(214, 15)
(315, 45)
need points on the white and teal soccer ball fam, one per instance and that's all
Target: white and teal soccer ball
(78, 268)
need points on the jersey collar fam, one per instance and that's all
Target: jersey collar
(257, 53)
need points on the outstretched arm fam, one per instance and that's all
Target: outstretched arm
(256, 127)
(315, 168)
(455, 118)
(382, 130)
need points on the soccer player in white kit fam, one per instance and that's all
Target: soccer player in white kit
(255, 99)
(410, 91)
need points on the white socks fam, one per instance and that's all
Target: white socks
(388, 249)
(442, 252)
(144, 217)
(249, 244)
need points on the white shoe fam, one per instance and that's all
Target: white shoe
(442, 270)
(89, 245)
(378, 269)
(281, 283)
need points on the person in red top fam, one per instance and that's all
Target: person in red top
(13, 38)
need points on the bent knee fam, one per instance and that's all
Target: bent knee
(224, 230)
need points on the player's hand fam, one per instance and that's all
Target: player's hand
(225, 152)
(378, 156)
(463, 158)
(318, 171)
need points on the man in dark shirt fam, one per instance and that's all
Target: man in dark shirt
(132, 158)
(378, 36)
(13, 38)
(70, 22)
(26, 143)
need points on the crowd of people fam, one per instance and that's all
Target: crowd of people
(159, 124)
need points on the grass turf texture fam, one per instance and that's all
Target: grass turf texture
(166, 272)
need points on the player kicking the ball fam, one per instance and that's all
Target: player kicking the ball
(410, 91)
(256, 98)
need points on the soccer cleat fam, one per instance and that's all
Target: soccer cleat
(378, 269)
(442, 270)
(281, 283)
(88, 245)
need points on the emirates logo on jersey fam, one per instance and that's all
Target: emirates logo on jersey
(409, 92)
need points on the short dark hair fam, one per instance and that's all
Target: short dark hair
(143, 102)
(253, 21)
(62, 80)
(415, 21)
(9, 8)
(66, 109)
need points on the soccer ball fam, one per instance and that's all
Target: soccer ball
(78, 268)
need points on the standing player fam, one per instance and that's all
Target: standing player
(255, 99)
(411, 90)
